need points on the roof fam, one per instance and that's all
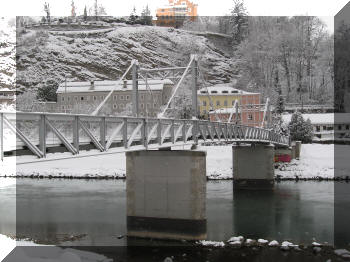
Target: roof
(223, 89)
(108, 85)
(327, 118)
(6, 90)
(224, 111)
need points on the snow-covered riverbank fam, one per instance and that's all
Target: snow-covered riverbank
(51, 254)
(317, 160)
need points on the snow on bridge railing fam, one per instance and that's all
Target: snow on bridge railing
(40, 131)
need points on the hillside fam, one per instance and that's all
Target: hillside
(105, 54)
(7, 54)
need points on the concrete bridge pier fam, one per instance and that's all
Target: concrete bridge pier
(166, 194)
(253, 166)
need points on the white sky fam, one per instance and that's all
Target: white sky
(325, 8)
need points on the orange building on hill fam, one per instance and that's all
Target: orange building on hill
(174, 14)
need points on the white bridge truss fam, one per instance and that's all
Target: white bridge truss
(39, 133)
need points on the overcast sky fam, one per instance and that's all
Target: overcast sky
(325, 8)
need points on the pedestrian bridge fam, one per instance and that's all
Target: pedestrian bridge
(41, 133)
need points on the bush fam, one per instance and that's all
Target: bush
(300, 130)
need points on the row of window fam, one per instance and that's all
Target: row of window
(94, 98)
(222, 92)
(142, 106)
(329, 128)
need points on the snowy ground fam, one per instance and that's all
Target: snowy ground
(317, 160)
(49, 254)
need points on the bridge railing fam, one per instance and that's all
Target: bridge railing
(42, 132)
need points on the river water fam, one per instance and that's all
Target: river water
(93, 212)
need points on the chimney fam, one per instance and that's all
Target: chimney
(92, 85)
(125, 83)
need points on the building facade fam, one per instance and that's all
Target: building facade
(175, 13)
(7, 96)
(86, 96)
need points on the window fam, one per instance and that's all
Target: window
(142, 97)
(62, 107)
(115, 97)
(127, 98)
(318, 128)
(114, 106)
(214, 92)
(225, 92)
(225, 103)
(154, 105)
(204, 103)
(324, 127)
(250, 117)
(330, 128)
(62, 99)
(68, 98)
(339, 127)
(218, 103)
(121, 106)
(94, 97)
(347, 127)
(121, 97)
(76, 98)
(81, 98)
(142, 105)
(234, 92)
(203, 92)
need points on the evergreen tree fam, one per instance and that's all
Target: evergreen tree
(85, 14)
(300, 130)
(239, 21)
(146, 17)
(133, 16)
(96, 10)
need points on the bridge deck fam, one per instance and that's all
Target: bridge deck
(42, 132)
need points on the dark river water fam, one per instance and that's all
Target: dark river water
(93, 212)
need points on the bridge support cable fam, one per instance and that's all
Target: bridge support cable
(235, 105)
(135, 89)
(2, 136)
(209, 97)
(161, 115)
(97, 110)
(265, 112)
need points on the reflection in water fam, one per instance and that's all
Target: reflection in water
(300, 212)
(81, 212)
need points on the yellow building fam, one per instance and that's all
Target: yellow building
(224, 96)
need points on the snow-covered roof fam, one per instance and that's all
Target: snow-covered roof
(223, 89)
(224, 111)
(326, 118)
(108, 85)
(6, 90)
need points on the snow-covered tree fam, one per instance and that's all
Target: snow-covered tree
(300, 130)
(239, 21)
(146, 17)
(47, 92)
(133, 16)
(47, 11)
